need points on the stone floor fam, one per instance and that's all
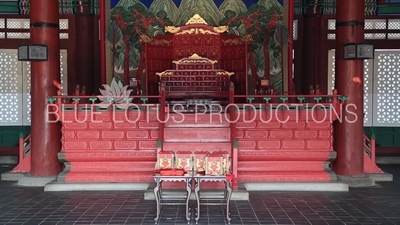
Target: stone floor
(374, 205)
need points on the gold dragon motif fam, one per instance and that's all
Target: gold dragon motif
(161, 42)
(172, 29)
(165, 73)
(221, 29)
(195, 58)
(196, 31)
(204, 31)
(144, 38)
(232, 41)
(225, 73)
(190, 31)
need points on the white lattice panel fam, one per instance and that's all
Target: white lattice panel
(295, 29)
(2, 23)
(26, 107)
(64, 35)
(368, 85)
(331, 24)
(2, 35)
(375, 24)
(370, 36)
(64, 24)
(368, 91)
(18, 23)
(18, 35)
(10, 88)
(27, 85)
(331, 36)
(371, 24)
(393, 35)
(394, 24)
(64, 71)
(375, 36)
(387, 88)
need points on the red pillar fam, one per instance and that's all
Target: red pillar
(45, 136)
(349, 80)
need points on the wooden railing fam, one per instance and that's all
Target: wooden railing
(234, 145)
(162, 118)
(370, 155)
(24, 161)
(369, 147)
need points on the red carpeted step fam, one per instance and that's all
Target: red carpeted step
(185, 135)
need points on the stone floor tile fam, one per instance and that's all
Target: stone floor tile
(372, 205)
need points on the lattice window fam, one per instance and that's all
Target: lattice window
(2, 35)
(13, 35)
(64, 35)
(375, 24)
(368, 73)
(368, 67)
(387, 89)
(375, 36)
(62, 71)
(394, 24)
(331, 24)
(28, 93)
(64, 24)
(333, 60)
(393, 35)
(9, 88)
(18, 23)
(295, 29)
(331, 36)
(2, 24)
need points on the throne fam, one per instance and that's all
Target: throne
(204, 46)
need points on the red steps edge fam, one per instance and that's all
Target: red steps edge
(286, 176)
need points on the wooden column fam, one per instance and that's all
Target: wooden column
(349, 81)
(45, 76)
(85, 42)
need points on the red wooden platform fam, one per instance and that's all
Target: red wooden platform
(265, 145)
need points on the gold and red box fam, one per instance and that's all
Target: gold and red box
(226, 162)
(165, 160)
(214, 165)
(200, 160)
(184, 160)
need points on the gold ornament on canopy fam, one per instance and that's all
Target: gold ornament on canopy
(196, 19)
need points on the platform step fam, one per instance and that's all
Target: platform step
(269, 166)
(197, 147)
(123, 166)
(285, 155)
(108, 177)
(197, 120)
(331, 186)
(197, 135)
(293, 176)
(91, 155)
